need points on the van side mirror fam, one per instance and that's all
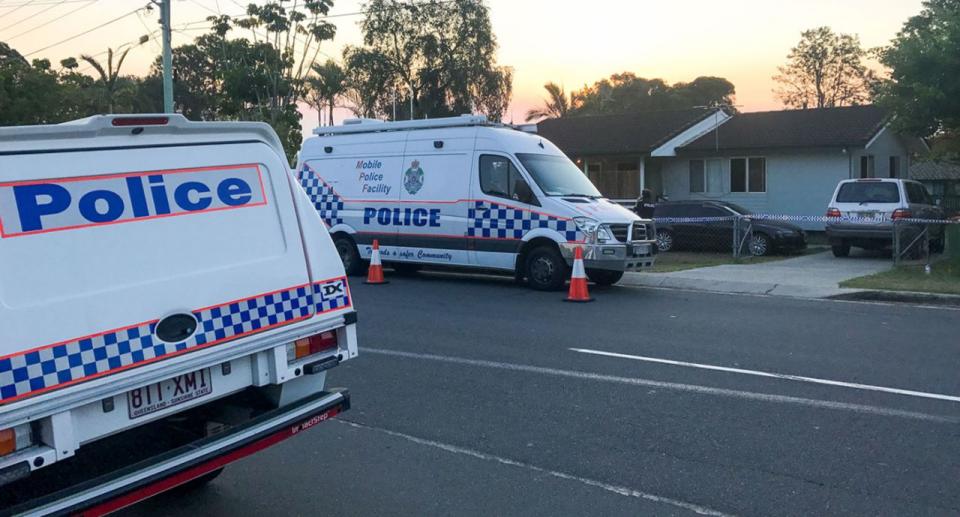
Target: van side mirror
(524, 194)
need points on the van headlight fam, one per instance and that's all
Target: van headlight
(587, 225)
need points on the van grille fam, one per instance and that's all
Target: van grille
(639, 231)
(619, 232)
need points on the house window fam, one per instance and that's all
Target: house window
(748, 174)
(867, 166)
(894, 166)
(706, 176)
(698, 181)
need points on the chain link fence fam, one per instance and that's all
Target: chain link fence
(913, 241)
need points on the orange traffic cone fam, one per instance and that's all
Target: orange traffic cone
(578, 281)
(375, 273)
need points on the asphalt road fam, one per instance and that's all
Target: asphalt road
(468, 400)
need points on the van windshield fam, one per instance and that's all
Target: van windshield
(557, 176)
(869, 192)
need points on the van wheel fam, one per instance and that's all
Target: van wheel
(841, 250)
(604, 277)
(349, 255)
(546, 269)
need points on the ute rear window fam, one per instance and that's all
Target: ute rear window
(869, 192)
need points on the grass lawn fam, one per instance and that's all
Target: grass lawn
(680, 260)
(944, 279)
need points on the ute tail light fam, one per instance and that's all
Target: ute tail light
(15, 439)
(140, 121)
(901, 213)
(833, 212)
(307, 346)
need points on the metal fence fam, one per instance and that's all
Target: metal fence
(910, 240)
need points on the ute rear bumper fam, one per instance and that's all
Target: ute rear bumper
(151, 476)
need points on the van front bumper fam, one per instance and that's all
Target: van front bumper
(636, 256)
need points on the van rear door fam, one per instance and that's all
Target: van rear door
(101, 238)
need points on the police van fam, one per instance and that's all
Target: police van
(466, 192)
(169, 303)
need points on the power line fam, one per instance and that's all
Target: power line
(15, 9)
(48, 22)
(35, 3)
(88, 31)
(52, 6)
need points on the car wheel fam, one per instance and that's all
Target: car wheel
(664, 240)
(546, 269)
(841, 250)
(349, 254)
(604, 277)
(759, 245)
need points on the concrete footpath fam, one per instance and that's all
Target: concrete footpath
(809, 276)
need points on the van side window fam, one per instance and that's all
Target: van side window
(499, 177)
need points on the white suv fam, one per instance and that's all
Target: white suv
(873, 205)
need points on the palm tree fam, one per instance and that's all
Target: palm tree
(555, 106)
(327, 86)
(109, 75)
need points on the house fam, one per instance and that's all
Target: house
(942, 179)
(617, 151)
(779, 162)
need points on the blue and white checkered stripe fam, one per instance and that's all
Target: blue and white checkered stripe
(325, 200)
(493, 220)
(81, 359)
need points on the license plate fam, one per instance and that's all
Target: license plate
(641, 249)
(870, 215)
(177, 390)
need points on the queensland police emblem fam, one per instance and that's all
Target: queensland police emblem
(413, 178)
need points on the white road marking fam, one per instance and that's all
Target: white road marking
(624, 491)
(772, 375)
(690, 388)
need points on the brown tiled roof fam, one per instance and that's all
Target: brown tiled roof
(634, 133)
(850, 126)
(935, 171)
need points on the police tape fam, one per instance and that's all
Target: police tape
(802, 218)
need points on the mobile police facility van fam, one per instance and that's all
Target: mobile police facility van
(169, 303)
(464, 191)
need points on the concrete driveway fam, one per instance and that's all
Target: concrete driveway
(808, 276)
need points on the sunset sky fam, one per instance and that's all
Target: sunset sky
(571, 43)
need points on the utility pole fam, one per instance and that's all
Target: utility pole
(167, 55)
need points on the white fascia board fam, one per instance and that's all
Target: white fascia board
(876, 136)
(709, 123)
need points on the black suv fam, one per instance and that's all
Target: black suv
(768, 236)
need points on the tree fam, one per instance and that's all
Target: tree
(627, 93)
(108, 75)
(30, 93)
(557, 104)
(922, 91)
(824, 70)
(286, 30)
(327, 85)
(442, 53)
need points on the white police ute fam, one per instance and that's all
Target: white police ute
(169, 303)
(467, 192)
